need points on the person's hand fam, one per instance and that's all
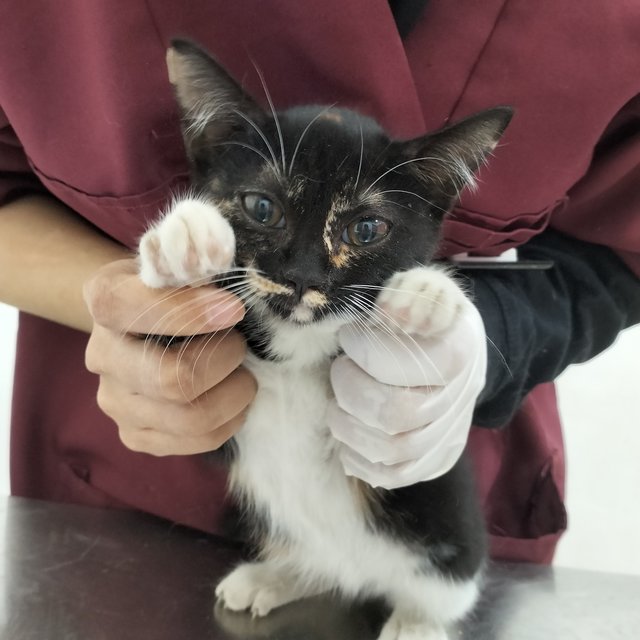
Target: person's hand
(167, 400)
(404, 403)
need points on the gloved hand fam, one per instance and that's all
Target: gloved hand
(404, 403)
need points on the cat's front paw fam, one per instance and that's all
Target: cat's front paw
(190, 244)
(397, 629)
(423, 301)
(258, 587)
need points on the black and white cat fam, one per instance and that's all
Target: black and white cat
(316, 219)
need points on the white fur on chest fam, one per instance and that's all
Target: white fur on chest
(285, 450)
(288, 466)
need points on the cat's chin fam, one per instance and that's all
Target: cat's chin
(297, 314)
(302, 314)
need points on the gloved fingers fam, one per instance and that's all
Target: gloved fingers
(397, 359)
(387, 408)
(403, 360)
(375, 474)
(452, 428)
(404, 404)
(402, 474)
(395, 410)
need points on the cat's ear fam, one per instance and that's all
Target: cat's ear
(213, 104)
(447, 160)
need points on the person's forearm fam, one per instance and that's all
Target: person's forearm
(46, 254)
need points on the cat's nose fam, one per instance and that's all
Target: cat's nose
(300, 281)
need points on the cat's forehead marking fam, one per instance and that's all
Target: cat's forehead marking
(342, 255)
(338, 205)
(342, 258)
(295, 187)
(371, 198)
(332, 116)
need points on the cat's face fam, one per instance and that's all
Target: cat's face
(325, 207)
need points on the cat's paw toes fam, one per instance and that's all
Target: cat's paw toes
(423, 301)
(192, 243)
(258, 588)
(399, 629)
(269, 598)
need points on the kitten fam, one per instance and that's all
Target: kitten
(318, 220)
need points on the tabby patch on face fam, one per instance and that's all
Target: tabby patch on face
(295, 188)
(265, 287)
(314, 299)
(342, 258)
(332, 116)
(311, 300)
(339, 255)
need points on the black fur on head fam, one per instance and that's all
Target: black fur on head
(320, 198)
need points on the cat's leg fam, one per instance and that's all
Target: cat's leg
(422, 301)
(261, 587)
(190, 244)
(432, 604)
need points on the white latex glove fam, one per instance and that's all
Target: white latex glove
(403, 403)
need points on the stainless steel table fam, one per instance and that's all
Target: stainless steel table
(74, 573)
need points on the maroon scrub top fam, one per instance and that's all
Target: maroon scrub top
(87, 113)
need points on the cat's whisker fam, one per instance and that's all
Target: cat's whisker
(362, 315)
(172, 293)
(273, 113)
(295, 151)
(396, 204)
(183, 344)
(382, 326)
(414, 194)
(249, 302)
(261, 134)
(175, 312)
(357, 321)
(503, 360)
(491, 342)
(176, 291)
(245, 293)
(457, 170)
(181, 309)
(274, 166)
(222, 334)
(383, 318)
(355, 186)
(382, 288)
(186, 342)
(494, 346)
(397, 166)
(247, 269)
(203, 110)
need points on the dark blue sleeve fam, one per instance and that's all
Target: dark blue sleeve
(540, 322)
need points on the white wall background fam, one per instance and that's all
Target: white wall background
(8, 328)
(600, 407)
(600, 404)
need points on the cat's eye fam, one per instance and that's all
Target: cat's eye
(366, 231)
(263, 210)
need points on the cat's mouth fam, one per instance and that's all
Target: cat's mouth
(284, 302)
(309, 308)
